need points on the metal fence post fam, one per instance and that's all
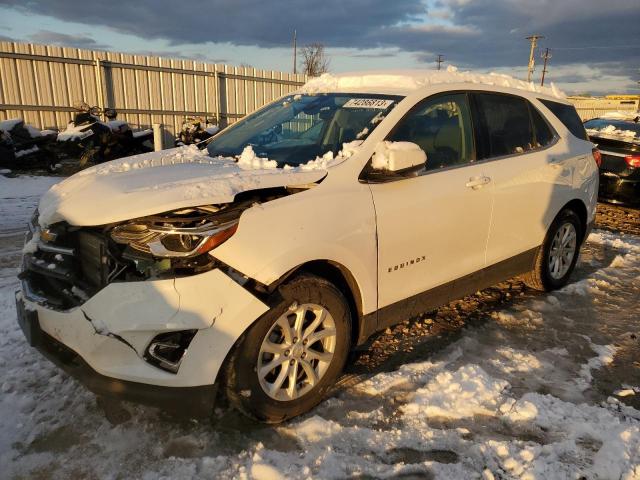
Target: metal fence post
(100, 91)
(217, 97)
(157, 137)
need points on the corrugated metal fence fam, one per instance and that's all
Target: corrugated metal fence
(42, 83)
(589, 107)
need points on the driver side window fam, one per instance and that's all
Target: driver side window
(441, 126)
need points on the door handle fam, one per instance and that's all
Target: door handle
(477, 182)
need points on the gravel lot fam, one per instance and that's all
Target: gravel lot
(506, 383)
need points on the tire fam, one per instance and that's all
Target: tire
(256, 393)
(546, 276)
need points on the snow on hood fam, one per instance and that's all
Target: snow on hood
(409, 80)
(162, 181)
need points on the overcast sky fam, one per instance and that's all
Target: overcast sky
(595, 44)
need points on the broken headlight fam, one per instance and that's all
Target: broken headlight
(182, 234)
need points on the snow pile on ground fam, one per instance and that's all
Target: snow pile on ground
(605, 357)
(25, 186)
(611, 130)
(464, 393)
(408, 80)
(384, 157)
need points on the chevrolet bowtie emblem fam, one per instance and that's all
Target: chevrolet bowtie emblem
(47, 235)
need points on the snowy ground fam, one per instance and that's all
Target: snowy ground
(545, 387)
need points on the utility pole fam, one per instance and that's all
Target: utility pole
(295, 61)
(545, 56)
(439, 60)
(532, 61)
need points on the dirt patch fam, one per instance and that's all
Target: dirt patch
(618, 219)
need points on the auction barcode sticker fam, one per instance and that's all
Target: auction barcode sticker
(368, 103)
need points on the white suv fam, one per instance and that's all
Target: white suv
(251, 268)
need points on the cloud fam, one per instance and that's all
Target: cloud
(373, 55)
(67, 40)
(482, 34)
(183, 56)
(241, 22)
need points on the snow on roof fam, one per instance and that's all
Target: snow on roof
(409, 80)
(621, 115)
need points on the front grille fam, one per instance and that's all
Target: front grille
(92, 258)
(73, 266)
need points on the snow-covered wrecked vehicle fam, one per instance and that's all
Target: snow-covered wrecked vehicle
(24, 147)
(195, 130)
(252, 268)
(91, 140)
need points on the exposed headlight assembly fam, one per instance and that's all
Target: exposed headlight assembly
(174, 241)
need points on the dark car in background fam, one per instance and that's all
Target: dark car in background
(618, 138)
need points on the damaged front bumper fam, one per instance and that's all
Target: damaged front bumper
(104, 341)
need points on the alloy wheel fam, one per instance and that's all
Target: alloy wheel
(562, 251)
(296, 351)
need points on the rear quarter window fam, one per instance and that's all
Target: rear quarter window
(568, 116)
(543, 135)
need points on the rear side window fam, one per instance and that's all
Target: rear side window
(503, 124)
(568, 116)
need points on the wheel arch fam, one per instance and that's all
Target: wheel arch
(579, 207)
(343, 279)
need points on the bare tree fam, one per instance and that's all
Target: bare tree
(314, 60)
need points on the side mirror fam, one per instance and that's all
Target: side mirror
(399, 158)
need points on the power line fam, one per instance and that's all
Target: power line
(546, 56)
(602, 47)
(532, 61)
(439, 60)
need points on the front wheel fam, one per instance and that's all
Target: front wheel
(558, 255)
(287, 361)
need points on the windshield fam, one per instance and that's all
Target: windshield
(300, 128)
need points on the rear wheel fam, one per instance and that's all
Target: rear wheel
(287, 361)
(558, 255)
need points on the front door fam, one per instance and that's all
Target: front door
(433, 228)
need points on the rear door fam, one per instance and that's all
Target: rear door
(530, 170)
(432, 228)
